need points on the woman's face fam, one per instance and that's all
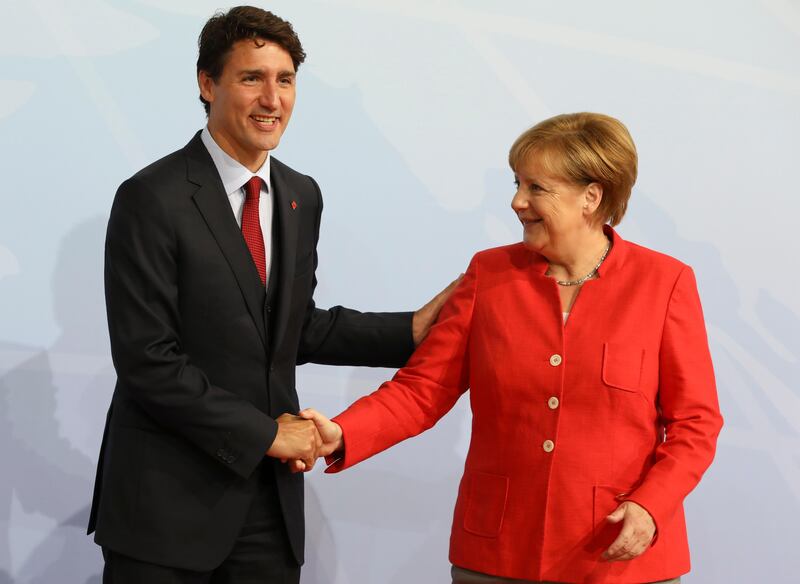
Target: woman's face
(552, 210)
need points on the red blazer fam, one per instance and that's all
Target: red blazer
(568, 420)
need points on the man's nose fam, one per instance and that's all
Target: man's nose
(269, 96)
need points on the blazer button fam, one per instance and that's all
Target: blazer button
(548, 446)
(221, 453)
(552, 403)
(555, 360)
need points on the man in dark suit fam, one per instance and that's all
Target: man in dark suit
(210, 261)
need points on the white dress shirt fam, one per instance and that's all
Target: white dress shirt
(234, 175)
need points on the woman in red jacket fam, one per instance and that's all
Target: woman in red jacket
(592, 391)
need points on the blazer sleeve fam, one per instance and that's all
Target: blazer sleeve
(343, 336)
(142, 302)
(421, 392)
(689, 408)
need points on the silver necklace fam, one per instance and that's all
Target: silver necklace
(591, 274)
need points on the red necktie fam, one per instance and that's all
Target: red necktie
(251, 226)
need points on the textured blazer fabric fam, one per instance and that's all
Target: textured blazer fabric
(568, 420)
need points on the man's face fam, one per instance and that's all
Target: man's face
(252, 100)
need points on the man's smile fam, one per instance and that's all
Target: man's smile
(266, 122)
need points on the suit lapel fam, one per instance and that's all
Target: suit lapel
(287, 246)
(212, 202)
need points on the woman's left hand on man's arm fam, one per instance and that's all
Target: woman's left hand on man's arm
(638, 531)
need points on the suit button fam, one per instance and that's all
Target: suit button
(230, 458)
(269, 309)
(555, 360)
(221, 453)
(552, 403)
(548, 446)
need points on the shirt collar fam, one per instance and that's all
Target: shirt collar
(232, 172)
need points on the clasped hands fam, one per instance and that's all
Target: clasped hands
(302, 439)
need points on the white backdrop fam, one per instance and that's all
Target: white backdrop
(405, 113)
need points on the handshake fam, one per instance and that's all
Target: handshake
(304, 438)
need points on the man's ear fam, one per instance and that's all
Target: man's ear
(206, 84)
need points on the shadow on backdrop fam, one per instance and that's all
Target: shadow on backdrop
(754, 460)
(50, 482)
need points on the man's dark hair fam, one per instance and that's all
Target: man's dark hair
(241, 23)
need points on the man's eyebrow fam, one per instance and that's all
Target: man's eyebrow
(260, 72)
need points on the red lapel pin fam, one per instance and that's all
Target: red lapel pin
(294, 204)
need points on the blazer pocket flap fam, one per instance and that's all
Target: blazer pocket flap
(606, 499)
(622, 366)
(486, 504)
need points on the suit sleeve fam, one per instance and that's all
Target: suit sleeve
(688, 402)
(421, 392)
(342, 336)
(142, 302)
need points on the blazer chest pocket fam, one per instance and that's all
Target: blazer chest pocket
(622, 366)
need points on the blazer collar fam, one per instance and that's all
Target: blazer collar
(212, 202)
(616, 255)
(614, 259)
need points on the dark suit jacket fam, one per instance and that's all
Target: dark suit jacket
(205, 364)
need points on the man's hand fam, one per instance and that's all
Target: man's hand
(330, 432)
(638, 529)
(297, 439)
(425, 317)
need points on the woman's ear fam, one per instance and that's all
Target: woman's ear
(592, 197)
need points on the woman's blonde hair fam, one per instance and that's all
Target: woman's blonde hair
(584, 148)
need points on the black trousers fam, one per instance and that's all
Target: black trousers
(261, 555)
